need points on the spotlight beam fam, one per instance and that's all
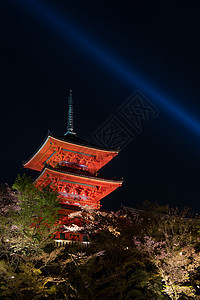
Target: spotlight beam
(65, 29)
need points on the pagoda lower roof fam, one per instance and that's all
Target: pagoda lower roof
(70, 145)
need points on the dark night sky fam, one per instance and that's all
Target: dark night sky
(40, 63)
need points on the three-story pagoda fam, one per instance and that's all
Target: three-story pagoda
(70, 164)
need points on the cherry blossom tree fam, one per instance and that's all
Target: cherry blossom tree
(172, 242)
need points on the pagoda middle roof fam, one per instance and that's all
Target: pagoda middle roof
(70, 143)
(96, 186)
(84, 177)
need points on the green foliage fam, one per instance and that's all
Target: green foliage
(20, 283)
(25, 230)
(131, 255)
(39, 207)
(114, 268)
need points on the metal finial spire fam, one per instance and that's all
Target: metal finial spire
(70, 120)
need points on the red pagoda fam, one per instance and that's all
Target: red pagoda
(70, 164)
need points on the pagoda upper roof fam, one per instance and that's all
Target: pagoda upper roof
(70, 144)
(74, 139)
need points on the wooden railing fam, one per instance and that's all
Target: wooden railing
(69, 243)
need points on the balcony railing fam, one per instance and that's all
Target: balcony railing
(70, 243)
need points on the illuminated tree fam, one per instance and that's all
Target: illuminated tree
(38, 208)
(151, 253)
(27, 221)
(9, 201)
(113, 268)
(171, 242)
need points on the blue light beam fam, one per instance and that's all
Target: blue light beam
(67, 30)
